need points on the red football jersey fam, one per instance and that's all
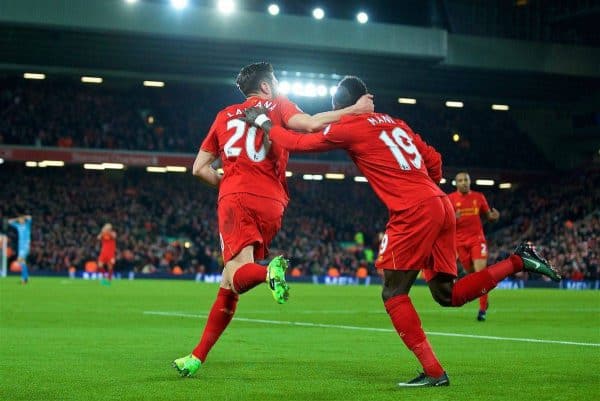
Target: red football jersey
(109, 244)
(246, 166)
(401, 168)
(468, 226)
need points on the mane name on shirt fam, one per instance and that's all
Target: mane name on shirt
(381, 119)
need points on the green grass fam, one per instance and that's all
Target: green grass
(77, 340)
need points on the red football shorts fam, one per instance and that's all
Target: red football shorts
(106, 259)
(246, 219)
(421, 237)
(471, 251)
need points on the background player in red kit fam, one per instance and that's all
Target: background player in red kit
(252, 195)
(108, 250)
(470, 242)
(420, 235)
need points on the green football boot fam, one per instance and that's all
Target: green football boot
(187, 365)
(276, 279)
(427, 381)
(533, 262)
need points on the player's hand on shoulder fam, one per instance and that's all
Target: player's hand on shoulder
(252, 114)
(494, 214)
(364, 105)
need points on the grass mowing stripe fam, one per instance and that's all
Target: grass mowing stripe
(375, 329)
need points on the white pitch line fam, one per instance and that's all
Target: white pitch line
(375, 329)
(436, 310)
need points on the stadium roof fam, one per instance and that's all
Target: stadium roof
(395, 59)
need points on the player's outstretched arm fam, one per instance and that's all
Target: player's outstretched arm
(203, 168)
(290, 140)
(306, 122)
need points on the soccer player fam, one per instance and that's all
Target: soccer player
(23, 226)
(252, 196)
(420, 235)
(108, 249)
(470, 241)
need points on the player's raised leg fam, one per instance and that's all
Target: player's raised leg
(450, 292)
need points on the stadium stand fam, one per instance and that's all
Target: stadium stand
(156, 215)
(176, 119)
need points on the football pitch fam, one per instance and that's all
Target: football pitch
(77, 340)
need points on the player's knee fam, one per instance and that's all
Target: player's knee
(386, 293)
(442, 298)
(441, 291)
(389, 291)
(397, 283)
(392, 291)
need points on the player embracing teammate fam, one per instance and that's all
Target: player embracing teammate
(252, 196)
(420, 235)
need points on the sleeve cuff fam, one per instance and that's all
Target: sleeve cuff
(261, 119)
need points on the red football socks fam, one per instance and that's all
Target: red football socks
(408, 325)
(483, 302)
(505, 268)
(248, 276)
(219, 317)
(477, 284)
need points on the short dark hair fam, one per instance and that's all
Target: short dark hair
(249, 79)
(349, 90)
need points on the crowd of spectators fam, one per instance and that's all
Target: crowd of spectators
(560, 214)
(176, 118)
(70, 115)
(169, 221)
